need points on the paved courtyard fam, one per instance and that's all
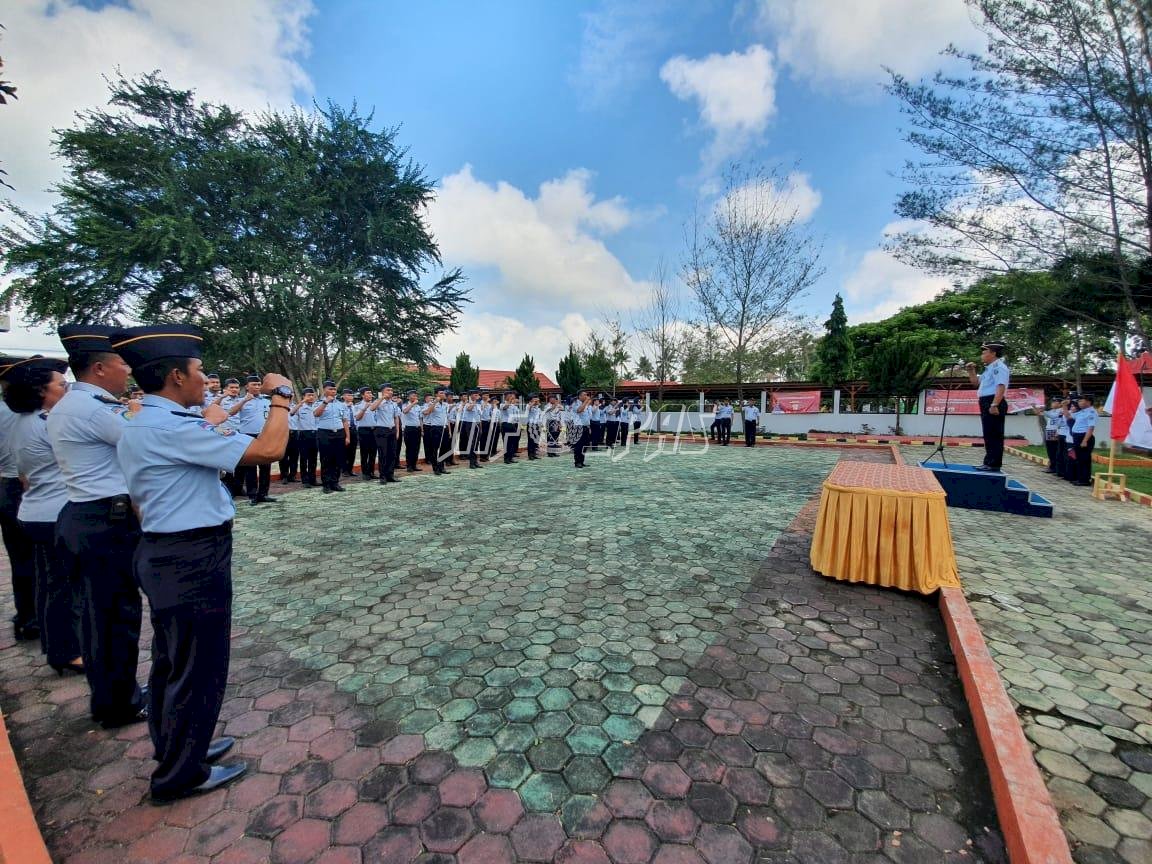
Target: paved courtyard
(632, 663)
(1066, 608)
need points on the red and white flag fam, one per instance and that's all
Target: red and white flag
(1130, 421)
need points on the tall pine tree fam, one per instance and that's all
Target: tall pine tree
(464, 375)
(524, 380)
(570, 373)
(835, 353)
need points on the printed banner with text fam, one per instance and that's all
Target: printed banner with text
(797, 402)
(966, 401)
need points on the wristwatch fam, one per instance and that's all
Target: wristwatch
(283, 390)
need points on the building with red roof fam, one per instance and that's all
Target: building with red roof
(489, 379)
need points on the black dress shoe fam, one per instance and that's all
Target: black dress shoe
(219, 776)
(987, 468)
(219, 747)
(137, 716)
(25, 632)
(328, 489)
(338, 488)
(390, 480)
(267, 499)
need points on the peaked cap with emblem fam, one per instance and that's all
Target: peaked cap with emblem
(14, 368)
(140, 346)
(85, 338)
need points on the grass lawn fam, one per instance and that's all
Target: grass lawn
(1139, 479)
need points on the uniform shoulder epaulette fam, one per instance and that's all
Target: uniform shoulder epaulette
(188, 414)
(107, 400)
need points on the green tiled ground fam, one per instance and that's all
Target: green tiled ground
(531, 619)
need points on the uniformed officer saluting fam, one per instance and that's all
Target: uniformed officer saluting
(993, 382)
(172, 461)
(333, 433)
(387, 430)
(97, 529)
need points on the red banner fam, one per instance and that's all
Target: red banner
(966, 401)
(796, 402)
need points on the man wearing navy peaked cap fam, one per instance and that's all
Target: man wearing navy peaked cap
(172, 459)
(98, 529)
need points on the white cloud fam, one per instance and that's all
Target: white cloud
(850, 42)
(500, 342)
(618, 49)
(776, 202)
(736, 94)
(58, 53)
(881, 285)
(547, 249)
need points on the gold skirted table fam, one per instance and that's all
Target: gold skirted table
(884, 525)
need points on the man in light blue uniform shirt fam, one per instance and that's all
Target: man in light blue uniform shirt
(992, 384)
(410, 414)
(470, 420)
(580, 427)
(364, 416)
(306, 435)
(386, 427)
(1084, 439)
(535, 426)
(751, 422)
(249, 415)
(724, 423)
(97, 529)
(172, 459)
(434, 417)
(333, 432)
(510, 426)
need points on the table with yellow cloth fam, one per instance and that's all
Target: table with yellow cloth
(884, 525)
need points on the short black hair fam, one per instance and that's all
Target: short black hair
(152, 377)
(25, 394)
(81, 363)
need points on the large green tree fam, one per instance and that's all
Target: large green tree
(1040, 149)
(524, 380)
(570, 373)
(599, 362)
(900, 368)
(464, 375)
(7, 91)
(835, 353)
(297, 240)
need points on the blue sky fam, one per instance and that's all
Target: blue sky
(572, 140)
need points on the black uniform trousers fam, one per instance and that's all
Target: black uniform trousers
(511, 440)
(387, 447)
(367, 450)
(723, 430)
(330, 443)
(21, 553)
(434, 447)
(411, 447)
(636, 424)
(468, 430)
(59, 601)
(597, 434)
(98, 542)
(1070, 464)
(256, 478)
(992, 427)
(749, 433)
(1055, 448)
(1082, 472)
(611, 432)
(306, 444)
(291, 457)
(484, 441)
(624, 433)
(187, 577)
(582, 436)
(350, 451)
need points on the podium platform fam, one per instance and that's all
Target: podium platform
(988, 490)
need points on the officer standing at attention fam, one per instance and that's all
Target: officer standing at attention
(1054, 428)
(581, 425)
(435, 420)
(470, 426)
(386, 429)
(213, 394)
(364, 415)
(510, 426)
(249, 415)
(751, 420)
(597, 427)
(332, 436)
(724, 422)
(231, 398)
(410, 414)
(484, 444)
(21, 554)
(992, 383)
(535, 426)
(346, 401)
(302, 412)
(98, 529)
(553, 421)
(1084, 439)
(172, 461)
(291, 460)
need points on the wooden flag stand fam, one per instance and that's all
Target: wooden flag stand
(1106, 483)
